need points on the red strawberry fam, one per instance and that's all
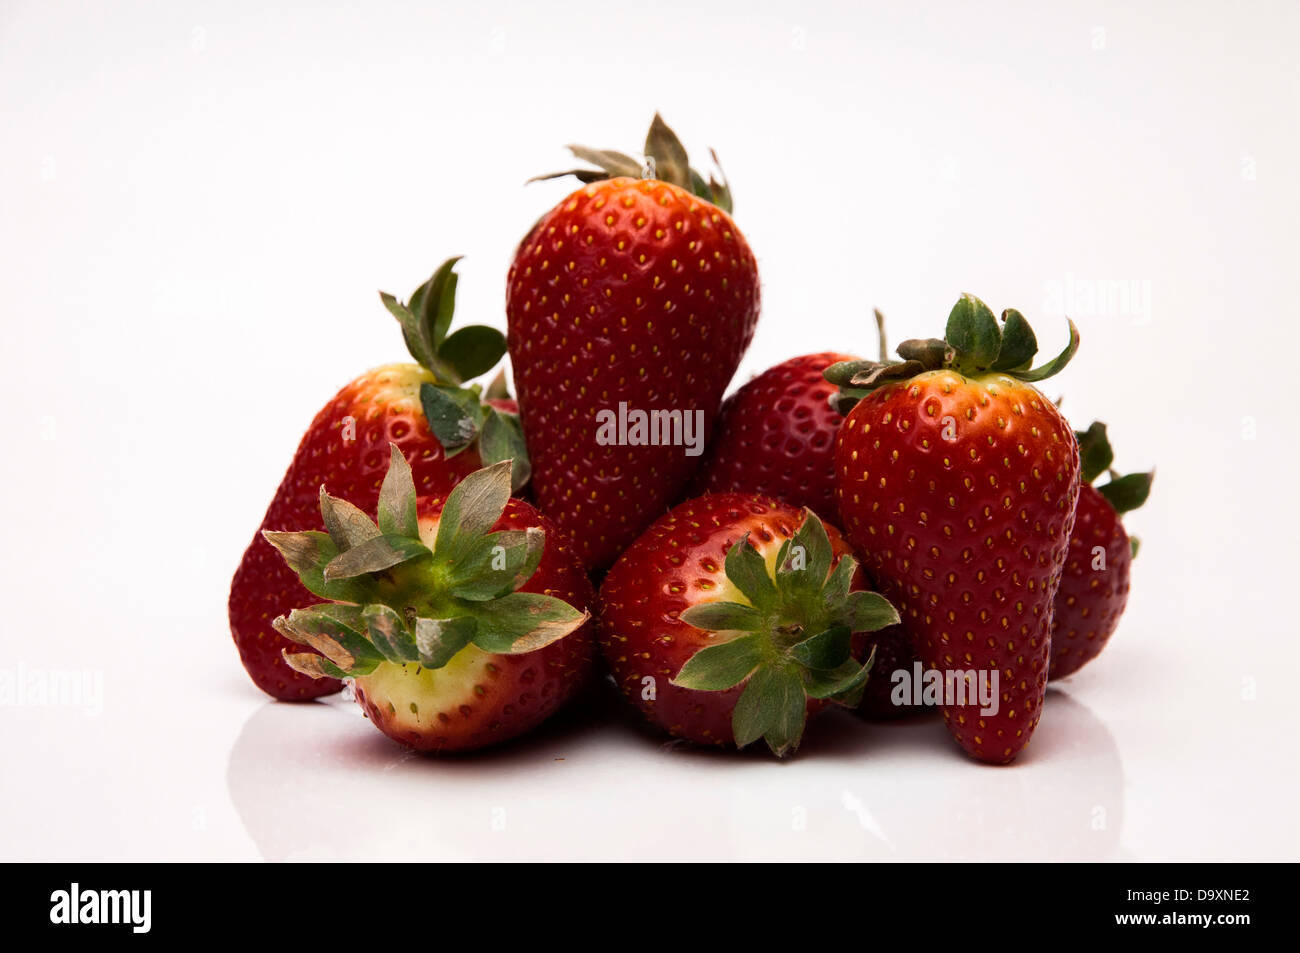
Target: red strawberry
(463, 622)
(346, 447)
(733, 618)
(632, 298)
(776, 435)
(1094, 585)
(957, 483)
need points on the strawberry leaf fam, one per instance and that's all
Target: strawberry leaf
(496, 564)
(723, 617)
(841, 372)
(332, 630)
(437, 640)
(666, 160)
(747, 571)
(534, 547)
(416, 344)
(523, 622)
(867, 612)
(845, 399)
(397, 514)
(773, 707)
(1056, 364)
(1128, 492)
(389, 634)
(374, 555)
(437, 305)
(1095, 454)
(930, 353)
(836, 589)
(973, 333)
(473, 350)
(671, 162)
(805, 559)
(307, 554)
(716, 668)
(825, 650)
(502, 438)
(309, 663)
(472, 508)
(720, 188)
(842, 685)
(612, 163)
(347, 525)
(454, 416)
(498, 389)
(1018, 342)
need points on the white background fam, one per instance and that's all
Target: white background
(198, 202)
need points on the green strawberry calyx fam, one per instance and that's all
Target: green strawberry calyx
(396, 597)
(975, 343)
(665, 160)
(1124, 493)
(458, 415)
(790, 640)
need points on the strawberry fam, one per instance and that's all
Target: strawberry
(462, 621)
(629, 306)
(420, 407)
(957, 482)
(776, 436)
(1094, 585)
(733, 618)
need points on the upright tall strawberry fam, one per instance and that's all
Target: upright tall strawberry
(957, 483)
(446, 430)
(629, 307)
(1095, 583)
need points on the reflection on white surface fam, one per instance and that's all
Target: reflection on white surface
(318, 782)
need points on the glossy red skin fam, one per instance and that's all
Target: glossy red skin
(665, 572)
(524, 690)
(1090, 602)
(776, 435)
(385, 405)
(967, 537)
(660, 324)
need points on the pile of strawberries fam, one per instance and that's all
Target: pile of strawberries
(889, 536)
